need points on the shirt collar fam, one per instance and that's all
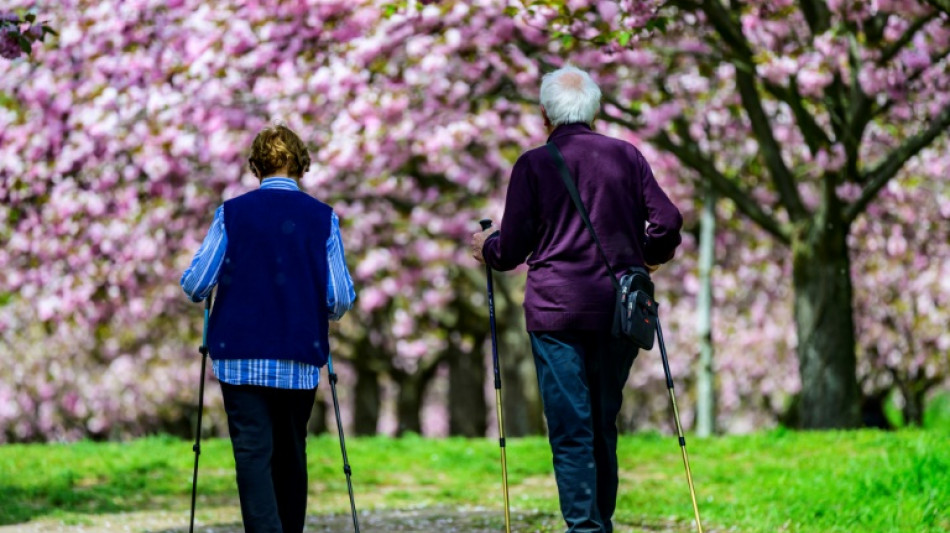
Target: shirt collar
(280, 182)
(569, 129)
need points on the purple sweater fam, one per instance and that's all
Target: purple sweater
(568, 285)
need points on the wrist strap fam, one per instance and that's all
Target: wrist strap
(572, 190)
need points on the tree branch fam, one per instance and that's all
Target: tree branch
(815, 136)
(771, 152)
(878, 177)
(629, 124)
(727, 29)
(940, 5)
(782, 177)
(916, 75)
(816, 15)
(895, 48)
(690, 156)
(858, 114)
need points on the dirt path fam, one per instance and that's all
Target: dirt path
(424, 520)
(443, 520)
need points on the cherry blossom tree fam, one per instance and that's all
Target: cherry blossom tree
(800, 113)
(902, 294)
(117, 143)
(118, 147)
(119, 138)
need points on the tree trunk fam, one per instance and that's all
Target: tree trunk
(914, 391)
(367, 401)
(521, 398)
(872, 410)
(412, 388)
(468, 413)
(705, 377)
(913, 409)
(830, 397)
(409, 405)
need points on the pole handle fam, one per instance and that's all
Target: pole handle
(485, 222)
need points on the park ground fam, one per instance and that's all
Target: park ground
(780, 480)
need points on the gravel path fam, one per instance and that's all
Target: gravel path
(220, 520)
(428, 520)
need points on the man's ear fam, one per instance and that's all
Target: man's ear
(547, 121)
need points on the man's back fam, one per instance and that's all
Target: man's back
(568, 285)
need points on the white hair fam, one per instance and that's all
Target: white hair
(569, 95)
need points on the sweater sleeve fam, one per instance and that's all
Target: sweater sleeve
(517, 239)
(664, 220)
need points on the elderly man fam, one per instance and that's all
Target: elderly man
(569, 297)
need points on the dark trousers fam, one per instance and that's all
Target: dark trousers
(269, 435)
(581, 375)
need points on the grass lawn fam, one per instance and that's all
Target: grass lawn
(859, 481)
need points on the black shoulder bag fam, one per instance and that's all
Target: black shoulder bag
(635, 310)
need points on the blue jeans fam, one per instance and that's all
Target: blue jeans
(581, 375)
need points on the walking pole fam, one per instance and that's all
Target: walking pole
(339, 427)
(203, 350)
(486, 223)
(676, 416)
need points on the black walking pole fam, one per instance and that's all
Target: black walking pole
(486, 223)
(676, 416)
(339, 427)
(203, 350)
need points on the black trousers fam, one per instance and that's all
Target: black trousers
(269, 436)
(581, 375)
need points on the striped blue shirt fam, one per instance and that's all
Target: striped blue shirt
(198, 280)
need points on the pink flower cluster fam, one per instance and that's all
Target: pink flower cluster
(119, 139)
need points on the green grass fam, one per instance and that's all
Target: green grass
(937, 414)
(805, 482)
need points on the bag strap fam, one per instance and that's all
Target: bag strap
(572, 189)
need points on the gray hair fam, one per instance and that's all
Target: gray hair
(569, 95)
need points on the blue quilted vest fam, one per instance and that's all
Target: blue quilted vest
(272, 288)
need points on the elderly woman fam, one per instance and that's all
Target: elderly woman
(276, 256)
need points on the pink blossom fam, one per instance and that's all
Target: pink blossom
(126, 137)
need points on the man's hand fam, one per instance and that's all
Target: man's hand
(478, 242)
